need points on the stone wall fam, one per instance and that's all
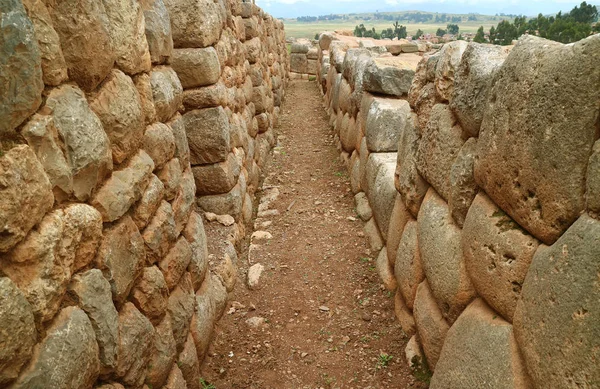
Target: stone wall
(115, 115)
(303, 59)
(478, 176)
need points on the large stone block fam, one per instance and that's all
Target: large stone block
(299, 63)
(182, 148)
(497, 255)
(480, 351)
(404, 314)
(184, 200)
(166, 91)
(196, 236)
(389, 76)
(189, 364)
(150, 294)
(440, 144)
(158, 30)
(196, 23)
(473, 81)
(164, 353)
(19, 335)
(159, 142)
(205, 97)
(217, 178)
(208, 135)
(84, 31)
(386, 271)
(229, 203)
(121, 257)
(382, 193)
(252, 49)
(171, 175)
(86, 145)
(161, 233)
(42, 264)
(431, 326)
(127, 35)
(175, 263)
(408, 180)
(463, 188)
(124, 188)
(348, 133)
(398, 219)
(386, 120)
(119, 108)
(144, 88)
(537, 134)
(441, 256)
(407, 268)
(181, 309)
(148, 204)
(67, 357)
(446, 67)
(92, 293)
(25, 185)
(557, 314)
(136, 340)
(20, 67)
(592, 193)
(325, 39)
(196, 67)
(54, 67)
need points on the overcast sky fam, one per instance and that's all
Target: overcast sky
(294, 8)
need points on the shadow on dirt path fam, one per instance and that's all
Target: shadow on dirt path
(320, 317)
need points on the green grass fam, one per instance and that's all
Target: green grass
(297, 29)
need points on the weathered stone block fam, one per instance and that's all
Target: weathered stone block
(537, 174)
(150, 294)
(124, 187)
(441, 256)
(166, 91)
(136, 340)
(144, 88)
(373, 235)
(440, 144)
(119, 108)
(592, 193)
(171, 176)
(388, 76)
(463, 188)
(189, 365)
(67, 357)
(398, 219)
(382, 193)
(158, 30)
(497, 255)
(127, 35)
(92, 293)
(161, 232)
(84, 31)
(54, 67)
(386, 272)
(20, 68)
(19, 336)
(163, 354)
(208, 135)
(407, 268)
(229, 203)
(86, 145)
(158, 141)
(196, 236)
(25, 185)
(446, 67)
(299, 63)
(175, 263)
(205, 97)
(473, 81)
(182, 148)
(557, 312)
(196, 67)
(217, 178)
(431, 326)
(121, 257)
(195, 24)
(480, 351)
(386, 120)
(404, 314)
(149, 202)
(181, 309)
(184, 200)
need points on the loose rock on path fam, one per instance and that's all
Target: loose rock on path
(319, 317)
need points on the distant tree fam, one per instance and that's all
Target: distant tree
(460, 37)
(317, 36)
(399, 30)
(452, 29)
(506, 32)
(418, 34)
(480, 36)
(440, 32)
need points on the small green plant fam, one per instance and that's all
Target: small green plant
(383, 360)
(312, 78)
(206, 385)
(421, 369)
(339, 174)
(365, 259)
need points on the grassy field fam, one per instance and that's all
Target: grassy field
(297, 29)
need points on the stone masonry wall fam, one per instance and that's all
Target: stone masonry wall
(303, 59)
(114, 116)
(479, 178)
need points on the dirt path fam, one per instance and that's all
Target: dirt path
(328, 322)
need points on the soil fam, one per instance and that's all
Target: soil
(323, 318)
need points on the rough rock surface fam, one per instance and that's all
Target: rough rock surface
(447, 66)
(151, 294)
(538, 178)
(20, 67)
(463, 188)
(196, 67)
(558, 309)
(480, 351)
(158, 30)
(382, 193)
(195, 24)
(388, 75)
(407, 268)
(164, 353)
(386, 120)
(441, 257)
(136, 339)
(497, 255)
(167, 92)
(24, 186)
(19, 335)
(208, 135)
(71, 334)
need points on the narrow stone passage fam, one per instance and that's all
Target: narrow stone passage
(319, 317)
